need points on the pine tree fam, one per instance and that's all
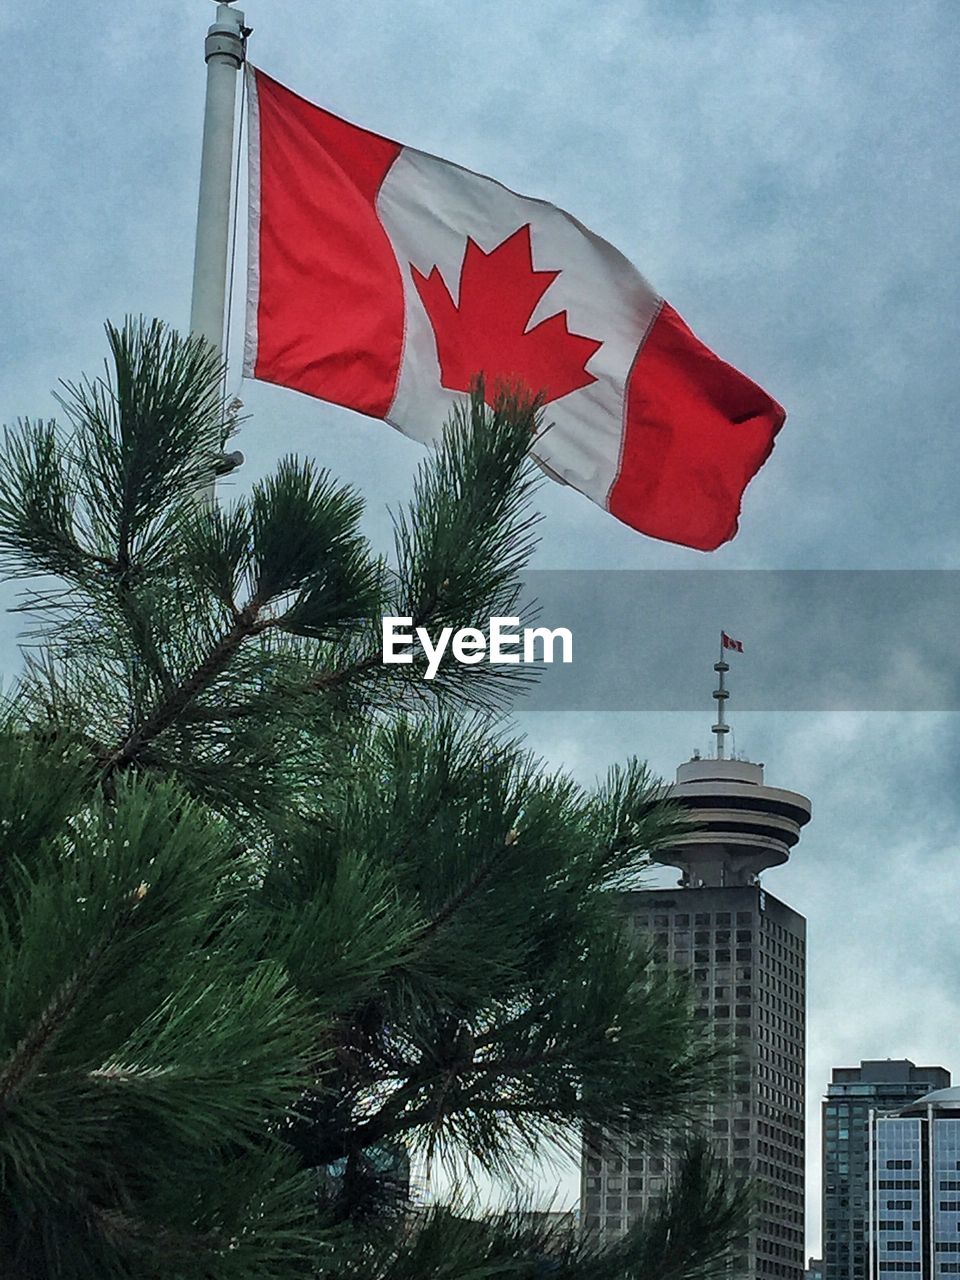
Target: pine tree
(275, 917)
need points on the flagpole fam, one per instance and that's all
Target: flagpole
(224, 53)
(721, 728)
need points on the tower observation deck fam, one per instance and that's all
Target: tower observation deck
(740, 826)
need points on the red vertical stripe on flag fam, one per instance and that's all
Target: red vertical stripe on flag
(330, 309)
(696, 431)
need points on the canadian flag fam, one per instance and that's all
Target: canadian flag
(384, 279)
(728, 642)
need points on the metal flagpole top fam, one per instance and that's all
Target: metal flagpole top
(721, 693)
(226, 35)
(224, 53)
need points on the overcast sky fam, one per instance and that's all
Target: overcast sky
(784, 172)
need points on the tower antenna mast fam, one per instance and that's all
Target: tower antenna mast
(721, 693)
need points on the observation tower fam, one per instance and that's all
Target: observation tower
(741, 826)
(745, 951)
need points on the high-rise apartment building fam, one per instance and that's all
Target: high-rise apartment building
(853, 1095)
(746, 951)
(914, 1178)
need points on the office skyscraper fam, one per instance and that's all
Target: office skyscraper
(746, 951)
(853, 1095)
(914, 1211)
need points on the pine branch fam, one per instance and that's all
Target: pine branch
(347, 941)
(329, 680)
(122, 1230)
(690, 1236)
(473, 886)
(26, 1057)
(168, 711)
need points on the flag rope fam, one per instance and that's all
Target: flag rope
(234, 232)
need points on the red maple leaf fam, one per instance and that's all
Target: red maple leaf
(485, 331)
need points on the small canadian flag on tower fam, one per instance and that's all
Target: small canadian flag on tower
(386, 280)
(728, 642)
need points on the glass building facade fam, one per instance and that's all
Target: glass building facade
(914, 1211)
(945, 1194)
(898, 1208)
(884, 1086)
